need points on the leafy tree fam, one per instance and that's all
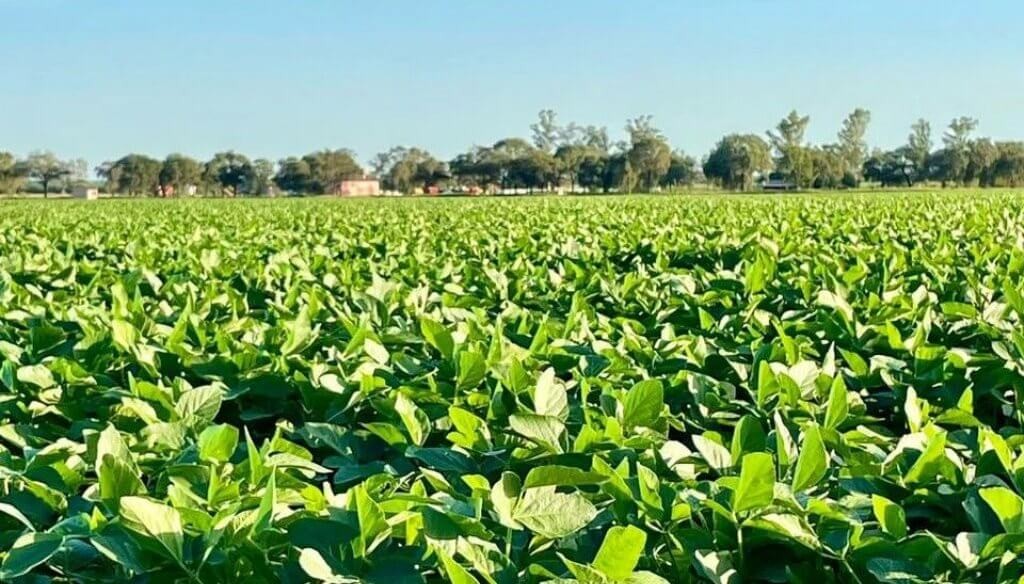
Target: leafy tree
(737, 159)
(649, 158)
(919, 147)
(682, 171)
(404, 169)
(229, 171)
(329, 168)
(11, 173)
(794, 158)
(570, 158)
(830, 167)
(596, 137)
(135, 174)
(293, 175)
(957, 141)
(981, 156)
(45, 168)
(853, 148)
(895, 167)
(262, 177)
(1008, 168)
(546, 131)
(178, 173)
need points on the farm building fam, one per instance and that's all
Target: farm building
(85, 192)
(360, 187)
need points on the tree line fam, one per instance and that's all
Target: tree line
(566, 156)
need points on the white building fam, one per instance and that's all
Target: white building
(85, 192)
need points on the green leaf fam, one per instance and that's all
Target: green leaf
(29, 551)
(314, 565)
(124, 334)
(812, 463)
(563, 476)
(716, 455)
(929, 464)
(642, 405)
(415, 421)
(504, 496)
(438, 336)
(264, 515)
(620, 551)
(218, 443)
(1007, 506)
(198, 407)
(551, 514)
(543, 430)
(156, 521)
(757, 483)
(550, 398)
(472, 368)
(455, 572)
(890, 516)
(837, 407)
(298, 333)
(373, 526)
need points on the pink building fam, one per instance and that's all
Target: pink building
(361, 187)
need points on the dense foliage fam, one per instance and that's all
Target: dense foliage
(638, 390)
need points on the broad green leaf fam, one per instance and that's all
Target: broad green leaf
(552, 514)
(620, 551)
(29, 551)
(218, 443)
(757, 483)
(563, 476)
(438, 336)
(890, 516)
(156, 521)
(642, 404)
(543, 430)
(1007, 506)
(550, 398)
(198, 407)
(812, 463)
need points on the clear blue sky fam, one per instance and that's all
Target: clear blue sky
(97, 79)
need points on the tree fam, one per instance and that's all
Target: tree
(546, 131)
(229, 171)
(78, 173)
(830, 168)
(737, 159)
(1008, 168)
(649, 158)
(46, 168)
(682, 171)
(957, 141)
(178, 173)
(11, 173)
(329, 168)
(135, 174)
(570, 159)
(919, 147)
(981, 156)
(261, 178)
(596, 137)
(853, 148)
(794, 158)
(293, 175)
(404, 169)
(896, 167)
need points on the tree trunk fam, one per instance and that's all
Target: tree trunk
(46, 189)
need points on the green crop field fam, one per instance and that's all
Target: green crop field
(581, 389)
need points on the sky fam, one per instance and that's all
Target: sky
(98, 79)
